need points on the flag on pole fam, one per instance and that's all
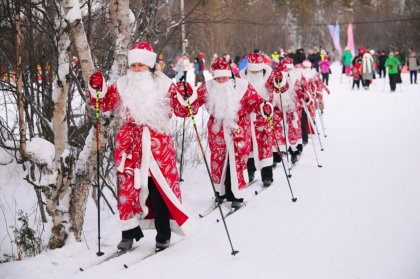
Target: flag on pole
(350, 39)
(335, 35)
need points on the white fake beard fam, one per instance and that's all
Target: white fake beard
(222, 103)
(258, 82)
(144, 103)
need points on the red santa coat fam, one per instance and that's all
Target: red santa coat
(227, 142)
(320, 87)
(261, 131)
(312, 105)
(141, 152)
(279, 142)
(292, 105)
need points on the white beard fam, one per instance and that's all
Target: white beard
(258, 82)
(223, 103)
(142, 101)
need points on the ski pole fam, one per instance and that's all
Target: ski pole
(322, 122)
(312, 123)
(234, 252)
(99, 253)
(284, 125)
(312, 138)
(182, 150)
(270, 119)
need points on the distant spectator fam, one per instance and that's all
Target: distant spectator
(187, 65)
(357, 73)
(368, 68)
(413, 64)
(381, 64)
(299, 56)
(324, 66)
(198, 72)
(347, 57)
(180, 69)
(392, 63)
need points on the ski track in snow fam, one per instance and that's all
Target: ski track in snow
(357, 217)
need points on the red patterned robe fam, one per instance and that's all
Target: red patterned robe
(141, 152)
(292, 105)
(261, 131)
(232, 143)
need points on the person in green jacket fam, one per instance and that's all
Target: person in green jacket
(347, 61)
(393, 64)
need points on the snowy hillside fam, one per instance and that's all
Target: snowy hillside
(356, 217)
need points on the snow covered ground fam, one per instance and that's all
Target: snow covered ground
(356, 217)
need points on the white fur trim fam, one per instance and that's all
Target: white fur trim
(101, 93)
(142, 56)
(255, 66)
(186, 229)
(306, 64)
(191, 99)
(129, 224)
(234, 183)
(146, 154)
(137, 180)
(289, 66)
(120, 167)
(222, 73)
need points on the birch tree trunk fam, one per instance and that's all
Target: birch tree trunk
(58, 199)
(85, 166)
(119, 13)
(22, 125)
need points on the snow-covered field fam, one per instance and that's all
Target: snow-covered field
(356, 217)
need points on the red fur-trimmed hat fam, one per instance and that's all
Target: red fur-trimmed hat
(220, 68)
(142, 52)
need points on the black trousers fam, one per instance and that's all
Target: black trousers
(160, 212)
(382, 72)
(325, 78)
(266, 172)
(393, 81)
(356, 82)
(228, 187)
(413, 75)
(304, 120)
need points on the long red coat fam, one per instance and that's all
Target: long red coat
(234, 144)
(141, 152)
(261, 131)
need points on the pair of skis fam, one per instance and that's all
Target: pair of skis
(214, 206)
(120, 253)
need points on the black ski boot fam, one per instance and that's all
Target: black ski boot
(125, 245)
(160, 246)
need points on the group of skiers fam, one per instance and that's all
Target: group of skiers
(254, 121)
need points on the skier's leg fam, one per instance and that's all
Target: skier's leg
(161, 214)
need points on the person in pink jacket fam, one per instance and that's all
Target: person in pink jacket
(324, 66)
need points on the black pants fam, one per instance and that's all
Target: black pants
(356, 82)
(266, 172)
(228, 187)
(393, 81)
(366, 83)
(276, 157)
(413, 74)
(303, 123)
(325, 78)
(382, 72)
(160, 212)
